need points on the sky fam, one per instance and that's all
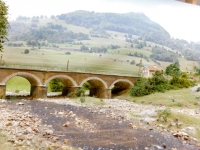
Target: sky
(181, 20)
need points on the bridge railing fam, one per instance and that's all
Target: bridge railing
(71, 69)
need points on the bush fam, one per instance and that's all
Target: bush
(198, 89)
(86, 86)
(80, 92)
(16, 91)
(55, 85)
(26, 51)
(68, 53)
(82, 99)
(132, 62)
(163, 114)
(72, 95)
(158, 83)
(160, 88)
(142, 87)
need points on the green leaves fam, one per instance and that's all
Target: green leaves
(4, 25)
(56, 85)
(172, 70)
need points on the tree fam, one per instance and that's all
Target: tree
(132, 62)
(4, 25)
(172, 70)
(26, 51)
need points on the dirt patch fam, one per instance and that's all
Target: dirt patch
(98, 127)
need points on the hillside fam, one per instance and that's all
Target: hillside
(130, 23)
(132, 35)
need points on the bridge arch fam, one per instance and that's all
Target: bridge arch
(98, 87)
(34, 81)
(121, 80)
(95, 81)
(69, 84)
(66, 80)
(120, 86)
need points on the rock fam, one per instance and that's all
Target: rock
(20, 103)
(186, 138)
(61, 113)
(35, 130)
(132, 126)
(66, 124)
(65, 141)
(8, 124)
(164, 145)
(11, 140)
(55, 139)
(64, 148)
(184, 142)
(48, 132)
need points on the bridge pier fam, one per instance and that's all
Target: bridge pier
(38, 92)
(100, 92)
(2, 91)
(66, 90)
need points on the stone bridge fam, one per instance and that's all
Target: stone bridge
(101, 84)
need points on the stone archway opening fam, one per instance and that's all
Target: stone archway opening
(120, 88)
(60, 86)
(96, 87)
(32, 84)
(18, 86)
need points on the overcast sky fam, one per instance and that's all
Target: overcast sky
(179, 19)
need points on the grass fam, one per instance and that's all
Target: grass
(77, 60)
(17, 83)
(3, 140)
(172, 98)
(89, 101)
(186, 119)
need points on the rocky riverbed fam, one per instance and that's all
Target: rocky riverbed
(64, 124)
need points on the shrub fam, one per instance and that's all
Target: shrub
(68, 53)
(160, 88)
(56, 85)
(179, 104)
(16, 91)
(132, 62)
(80, 92)
(142, 87)
(72, 95)
(26, 51)
(163, 114)
(82, 99)
(86, 86)
(198, 89)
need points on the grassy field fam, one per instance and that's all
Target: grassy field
(90, 62)
(183, 98)
(16, 84)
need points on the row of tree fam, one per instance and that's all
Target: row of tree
(101, 49)
(52, 33)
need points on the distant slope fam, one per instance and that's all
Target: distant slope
(83, 27)
(130, 23)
